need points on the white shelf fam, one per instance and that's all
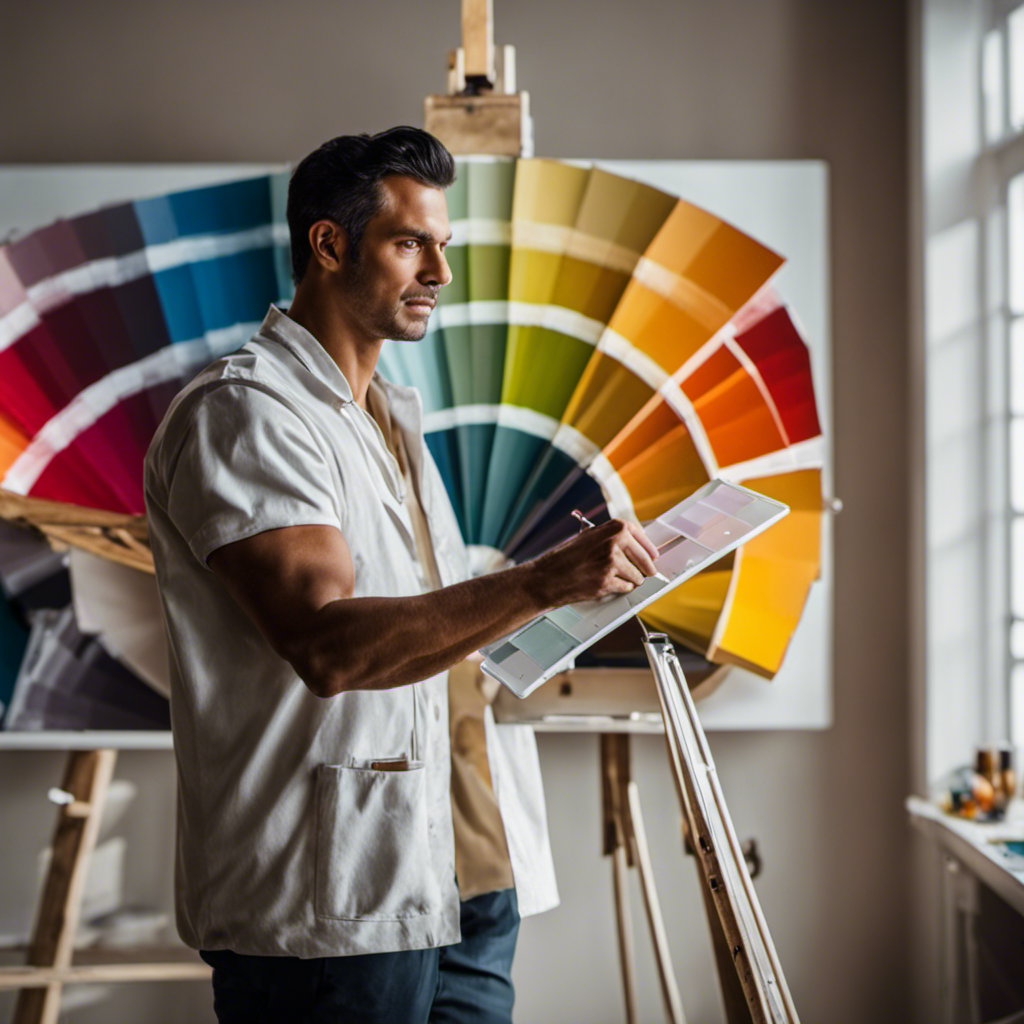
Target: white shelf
(118, 740)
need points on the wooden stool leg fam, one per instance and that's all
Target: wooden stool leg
(86, 778)
(669, 987)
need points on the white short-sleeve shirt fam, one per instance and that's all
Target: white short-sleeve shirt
(289, 842)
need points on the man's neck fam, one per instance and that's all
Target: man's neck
(326, 321)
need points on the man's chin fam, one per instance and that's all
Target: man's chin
(411, 332)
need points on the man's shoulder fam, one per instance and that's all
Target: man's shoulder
(244, 385)
(227, 377)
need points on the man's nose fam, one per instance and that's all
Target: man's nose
(436, 270)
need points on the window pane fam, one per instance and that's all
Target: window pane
(992, 84)
(1015, 26)
(995, 259)
(1017, 640)
(1017, 566)
(1017, 464)
(1016, 366)
(1017, 706)
(1015, 234)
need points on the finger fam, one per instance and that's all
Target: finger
(645, 542)
(625, 569)
(617, 585)
(638, 555)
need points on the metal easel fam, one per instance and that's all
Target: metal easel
(483, 113)
(754, 988)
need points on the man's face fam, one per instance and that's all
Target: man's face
(392, 287)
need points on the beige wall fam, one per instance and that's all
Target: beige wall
(771, 79)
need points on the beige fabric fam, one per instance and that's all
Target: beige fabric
(378, 408)
(482, 863)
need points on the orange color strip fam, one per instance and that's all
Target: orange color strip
(736, 417)
(13, 441)
(664, 474)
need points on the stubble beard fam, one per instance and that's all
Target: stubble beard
(376, 321)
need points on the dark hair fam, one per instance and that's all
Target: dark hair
(340, 181)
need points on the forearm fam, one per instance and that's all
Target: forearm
(374, 643)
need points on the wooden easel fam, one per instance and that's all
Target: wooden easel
(625, 841)
(50, 957)
(483, 114)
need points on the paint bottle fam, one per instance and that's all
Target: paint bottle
(995, 763)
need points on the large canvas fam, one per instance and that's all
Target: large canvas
(606, 345)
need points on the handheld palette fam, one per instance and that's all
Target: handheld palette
(690, 536)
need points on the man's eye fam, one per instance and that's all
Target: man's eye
(410, 244)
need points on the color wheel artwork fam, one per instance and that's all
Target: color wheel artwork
(603, 346)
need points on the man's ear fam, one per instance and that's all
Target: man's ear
(328, 242)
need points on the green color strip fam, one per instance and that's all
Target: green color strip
(542, 368)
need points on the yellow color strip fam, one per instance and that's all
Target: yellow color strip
(690, 613)
(773, 577)
(548, 191)
(606, 399)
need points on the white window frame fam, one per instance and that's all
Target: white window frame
(1001, 159)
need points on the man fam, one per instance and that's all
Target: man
(315, 594)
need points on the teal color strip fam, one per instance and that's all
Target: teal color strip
(552, 474)
(513, 456)
(391, 365)
(443, 447)
(425, 366)
(474, 445)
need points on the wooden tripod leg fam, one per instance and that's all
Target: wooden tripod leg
(669, 987)
(86, 778)
(624, 925)
(615, 761)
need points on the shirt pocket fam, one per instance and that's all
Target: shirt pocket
(373, 859)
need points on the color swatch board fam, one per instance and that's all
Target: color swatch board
(689, 537)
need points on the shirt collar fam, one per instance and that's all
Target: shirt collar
(278, 326)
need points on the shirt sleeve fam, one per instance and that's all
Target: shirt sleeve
(248, 463)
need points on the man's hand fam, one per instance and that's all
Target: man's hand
(613, 558)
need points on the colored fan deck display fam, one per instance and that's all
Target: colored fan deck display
(604, 345)
(642, 352)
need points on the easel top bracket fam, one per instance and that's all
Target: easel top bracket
(482, 111)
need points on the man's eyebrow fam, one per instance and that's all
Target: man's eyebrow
(424, 236)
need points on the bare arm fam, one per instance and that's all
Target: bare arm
(297, 583)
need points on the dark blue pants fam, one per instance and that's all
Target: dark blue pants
(468, 983)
